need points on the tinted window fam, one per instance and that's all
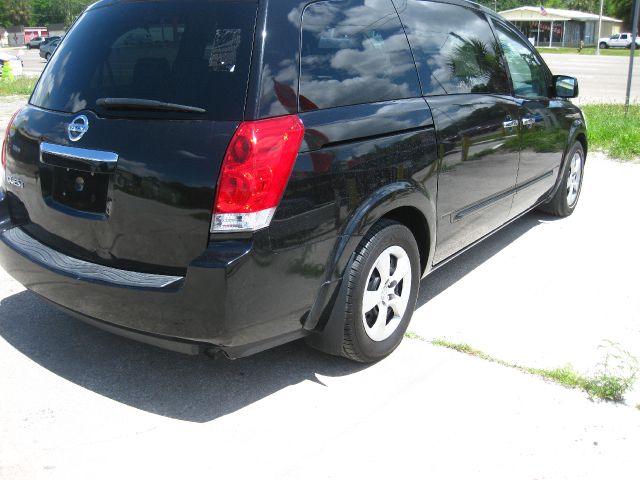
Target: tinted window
(454, 48)
(527, 70)
(354, 52)
(195, 55)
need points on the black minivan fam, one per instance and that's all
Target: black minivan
(227, 176)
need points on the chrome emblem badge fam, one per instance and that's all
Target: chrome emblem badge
(15, 181)
(78, 127)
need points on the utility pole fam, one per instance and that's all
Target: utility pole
(636, 12)
(599, 28)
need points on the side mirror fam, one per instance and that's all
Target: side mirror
(565, 87)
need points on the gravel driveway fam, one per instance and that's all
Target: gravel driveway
(78, 402)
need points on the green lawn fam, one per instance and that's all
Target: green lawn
(615, 52)
(17, 86)
(610, 130)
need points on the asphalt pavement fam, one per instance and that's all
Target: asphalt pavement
(602, 79)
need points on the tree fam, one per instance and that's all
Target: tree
(590, 6)
(15, 12)
(41, 12)
(58, 11)
(622, 9)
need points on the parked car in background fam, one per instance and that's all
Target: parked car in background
(619, 40)
(47, 50)
(15, 63)
(35, 42)
(48, 40)
(171, 187)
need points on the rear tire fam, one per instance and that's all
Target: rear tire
(48, 57)
(383, 280)
(565, 200)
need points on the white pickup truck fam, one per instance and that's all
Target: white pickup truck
(620, 40)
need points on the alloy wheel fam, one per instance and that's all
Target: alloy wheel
(574, 179)
(387, 293)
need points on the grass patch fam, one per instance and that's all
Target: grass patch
(17, 85)
(565, 376)
(611, 52)
(610, 130)
(415, 336)
(614, 375)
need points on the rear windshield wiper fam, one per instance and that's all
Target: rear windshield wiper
(142, 104)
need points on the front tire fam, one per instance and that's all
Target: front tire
(565, 200)
(48, 57)
(382, 290)
(604, 45)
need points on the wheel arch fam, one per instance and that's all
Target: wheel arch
(582, 138)
(577, 133)
(416, 222)
(405, 202)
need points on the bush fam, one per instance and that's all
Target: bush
(7, 71)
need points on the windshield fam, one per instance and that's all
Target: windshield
(188, 53)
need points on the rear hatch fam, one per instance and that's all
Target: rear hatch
(120, 147)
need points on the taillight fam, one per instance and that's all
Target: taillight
(255, 172)
(5, 145)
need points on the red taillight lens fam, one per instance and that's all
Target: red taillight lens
(5, 143)
(255, 172)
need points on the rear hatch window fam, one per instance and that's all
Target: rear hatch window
(188, 53)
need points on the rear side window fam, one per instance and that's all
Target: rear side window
(188, 53)
(454, 48)
(354, 52)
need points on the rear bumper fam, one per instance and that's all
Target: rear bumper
(216, 304)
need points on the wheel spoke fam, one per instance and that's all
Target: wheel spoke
(384, 266)
(399, 303)
(380, 325)
(370, 300)
(403, 268)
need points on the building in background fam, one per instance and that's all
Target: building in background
(56, 30)
(19, 36)
(556, 27)
(32, 32)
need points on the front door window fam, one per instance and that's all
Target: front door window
(527, 71)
